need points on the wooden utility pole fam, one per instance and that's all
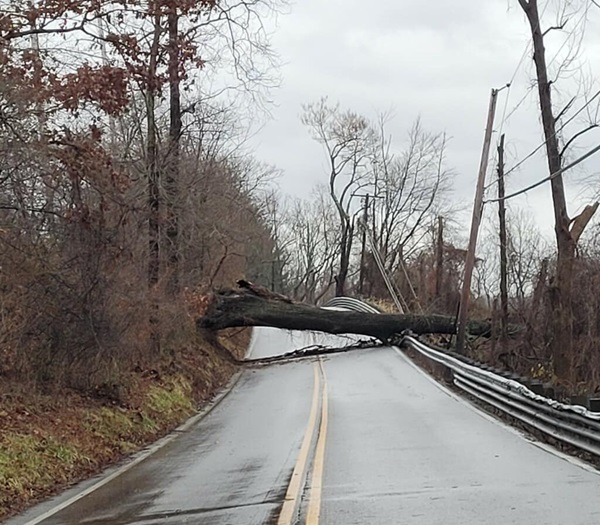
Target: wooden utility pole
(503, 248)
(475, 222)
(364, 242)
(439, 258)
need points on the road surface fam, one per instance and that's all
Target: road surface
(356, 438)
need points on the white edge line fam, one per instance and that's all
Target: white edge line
(141, 456)
(497, 421)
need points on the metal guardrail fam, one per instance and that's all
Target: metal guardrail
(572, 424)
(352, 304)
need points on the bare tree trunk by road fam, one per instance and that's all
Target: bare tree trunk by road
(503, 247)
(173, 161)
(567, 230)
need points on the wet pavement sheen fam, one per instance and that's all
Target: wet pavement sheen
(399, 450)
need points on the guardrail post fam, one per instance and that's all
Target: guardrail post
(537, 387)
(448, 375)
(549, 390)
(580, 400)
(595, 404)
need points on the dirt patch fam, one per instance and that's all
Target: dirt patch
(51, 440)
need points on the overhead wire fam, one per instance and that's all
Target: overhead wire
(397, 297)
(520, 63)
(540, 146)
(593, 151)
(506, 117)
(582, 18)
(560, 128)
(508, 87)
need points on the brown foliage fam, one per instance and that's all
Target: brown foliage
(74, 303)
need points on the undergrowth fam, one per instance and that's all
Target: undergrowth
(49, 441)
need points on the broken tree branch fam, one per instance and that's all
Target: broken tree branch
(579, 223)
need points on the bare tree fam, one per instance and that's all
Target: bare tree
(314, 240)
(567, 230)
(412, 187)
(525, 251)
(348, 140)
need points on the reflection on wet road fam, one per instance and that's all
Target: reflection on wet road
(357, 438)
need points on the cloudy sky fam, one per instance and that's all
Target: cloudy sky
(437, 60)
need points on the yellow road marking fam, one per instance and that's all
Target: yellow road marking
(290, 504)
(314, 504)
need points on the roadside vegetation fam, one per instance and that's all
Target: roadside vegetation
(125, 193)
(51, 439)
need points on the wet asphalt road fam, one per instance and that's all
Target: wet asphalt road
(401, 450)
(394, 449)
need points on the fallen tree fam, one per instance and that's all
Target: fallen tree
(238, 308)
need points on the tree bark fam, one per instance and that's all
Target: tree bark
(561, 295)
(439, 260)
(365, 220)
(230, 309)
(346, 249)
(153, 173)
(172, 175)
(503, 248)
(153, 182)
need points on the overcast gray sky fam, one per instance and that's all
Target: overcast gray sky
(437, 60)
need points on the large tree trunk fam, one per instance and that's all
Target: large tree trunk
(229, 309)
(439, 261)
(152, 168)
(153, 182)
(503, 248)
(345, 249)
(172, 174)
(560, 296)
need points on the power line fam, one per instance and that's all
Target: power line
(395, 294)
(506, 117)
(563, 125)
(523, 55)
(523, 99)
(510, 83)
(540, 146)
(550, 177)
(579, 22)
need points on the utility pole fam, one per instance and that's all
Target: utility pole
(503, 248)
(475, 222)
(364, 241)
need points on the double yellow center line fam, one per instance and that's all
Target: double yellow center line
(292, 497)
